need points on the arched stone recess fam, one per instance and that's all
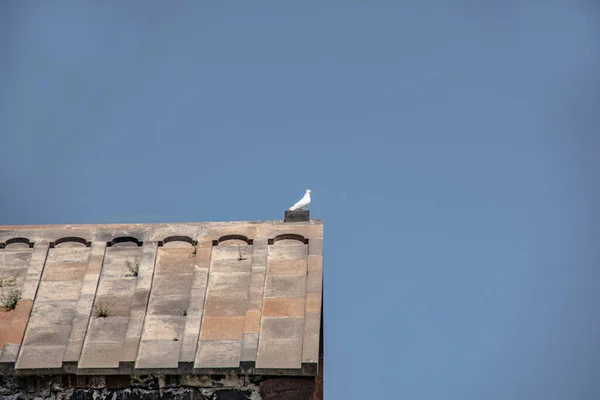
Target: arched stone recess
(123, 241)
(232, 240)
(177, 241)
(17, 243)
(70, 241)
(288, 238)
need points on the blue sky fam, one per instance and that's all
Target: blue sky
(452, 151)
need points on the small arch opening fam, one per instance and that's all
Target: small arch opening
(288, 237)
(70, 241)
(17, 243)
(232, 240)
(125, 240)
(177, 241)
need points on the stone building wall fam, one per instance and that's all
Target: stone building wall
(175, 302)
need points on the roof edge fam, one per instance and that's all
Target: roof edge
(313, 221)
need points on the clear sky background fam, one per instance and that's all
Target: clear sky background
(452, 149)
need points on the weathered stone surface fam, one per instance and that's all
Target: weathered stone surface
(222, 328)
(190, 338)
(107, 330)
(313, 302)
(310, 345)
(287, 267)
(218, 354)
(285, 286)
(257, 288)
(158, 354)
(163, 327)
(101, 355)
(283, 307)
(315, 247)
(282, 328)
(249, 347)
(252, 321)
(40, 357)
(279, 353)
(169, 305)
(226, 305)
(292, 251)
(204, 302)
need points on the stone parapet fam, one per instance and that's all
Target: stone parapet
(185, 299)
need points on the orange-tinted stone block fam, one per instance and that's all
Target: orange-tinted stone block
(252, 322)
(222, 328)
(287, 267)
(23, 309)
(283, 307)
(313, 302)
(16, 331)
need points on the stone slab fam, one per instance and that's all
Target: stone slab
(284, 307)
(257, 288)
(228, 283)
(191, 332)
(252, 321)
(107, 330)
(279, 353)
(163, 327)
(58, 291)
(49, 335)
(81, 254)
(168, 305)
(117, 306)
(73, 351)
(44, 314)
(203, 282)
(118, 287)
(310, 345)
(249, 347)
(226, 305)
(158, 354)
(171, 284)
(9, 353)
(315, 264)
(40, 357)
(281, 251)
(218, 354)
(285, 286)
(282, 328)
(222, 328)
(100, 355)
(315, 246)
(287, 267)
(232, 265)
(64, 271)
(313, 302)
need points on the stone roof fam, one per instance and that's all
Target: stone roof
(174, 298)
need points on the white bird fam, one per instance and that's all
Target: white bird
(303, 203)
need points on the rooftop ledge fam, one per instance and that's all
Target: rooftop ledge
(200, 298)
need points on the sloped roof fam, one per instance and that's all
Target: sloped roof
(179, 297)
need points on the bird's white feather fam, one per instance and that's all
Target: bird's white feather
(303, 203)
